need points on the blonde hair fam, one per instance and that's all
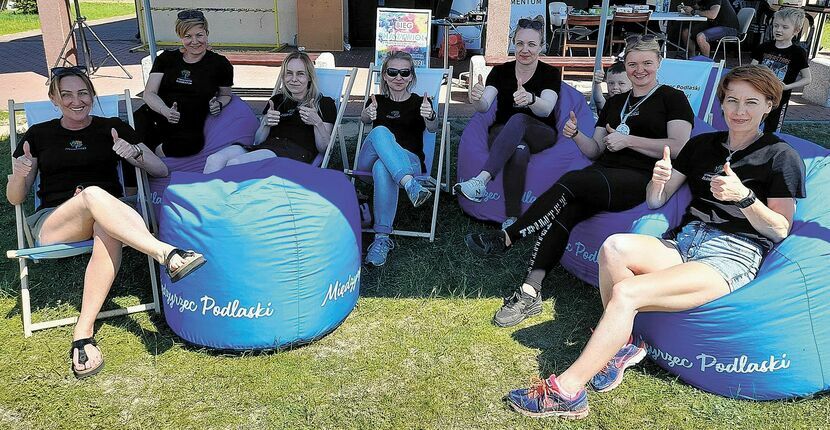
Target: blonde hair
(396, 55)
(760, 77)
(184, 25)
(54, 83)
(644, 46)
(794, 15)
(312, 96)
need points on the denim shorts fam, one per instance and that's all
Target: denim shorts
(737, 259)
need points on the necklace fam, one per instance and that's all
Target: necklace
(623, 128)
(733, 151)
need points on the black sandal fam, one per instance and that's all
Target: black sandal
(82, 357)
(181, 272)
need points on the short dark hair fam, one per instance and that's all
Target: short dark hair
(616, 68)
(760, 77)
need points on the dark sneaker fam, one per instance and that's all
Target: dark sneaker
(612, 374)
(517, 308)
(416, 192)
(487, 243)
(544, 399)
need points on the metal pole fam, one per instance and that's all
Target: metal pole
(149, 33)
(603, 21)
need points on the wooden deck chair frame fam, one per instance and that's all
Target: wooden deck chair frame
(440, 78)
(27, 251)
(328, 80)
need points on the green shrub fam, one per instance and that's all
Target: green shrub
(26, 6)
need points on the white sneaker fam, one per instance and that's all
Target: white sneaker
(473, 189)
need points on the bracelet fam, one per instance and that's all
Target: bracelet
(432, 117)
(221, 105)
(533, 99)
(140, 153)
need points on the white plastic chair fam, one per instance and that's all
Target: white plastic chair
(557, 14)
(337, 84)
(432, 82)
(745, 16)
(37, 112)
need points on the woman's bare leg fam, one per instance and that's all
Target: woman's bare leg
(677, 288)
(625, 255)
(250, 157)
(218, 160)
(100, 274)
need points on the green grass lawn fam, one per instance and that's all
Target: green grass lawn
(14, 23)
(419, 351)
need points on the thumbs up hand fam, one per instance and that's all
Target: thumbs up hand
(662, 169)
(123, 148)
(22, 166)
(173, 114)
(728, 187)
(614, 141)
(570, 131)
(477, 92)
(215, 106)
(521, 98)
(272, 117)
(426, 109)
(371, 111)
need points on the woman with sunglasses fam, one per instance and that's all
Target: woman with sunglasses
(632, 130)
(525, 92)
(394, 150)
(76, 158)
(185, 86)
(296, 123)
(744, 184)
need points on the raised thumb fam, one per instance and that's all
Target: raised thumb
(114, 134)
(667, 153)
(374, 101)
(270, 105)
(573, 117)
(27, 150)
(175, 107)
(425, 97)
(728, 169)
(609, 129)
(481, 79)
(214, 99)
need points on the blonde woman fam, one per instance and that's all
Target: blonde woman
(297, 122)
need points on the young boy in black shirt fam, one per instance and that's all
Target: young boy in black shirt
(787, 60)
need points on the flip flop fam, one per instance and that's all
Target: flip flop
(181, 272)
(82, 358)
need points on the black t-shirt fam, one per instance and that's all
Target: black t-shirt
(769, 166)
(503, 79)
(649, 120)
(786, 63)
(404, 120)
(293, 128)
(726, 16)
(192, 85)
(68, 158)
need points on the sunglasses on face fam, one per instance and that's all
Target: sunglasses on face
(531, 23)
(395, 72)
(58, 72)
(640, 38)
(191, 14)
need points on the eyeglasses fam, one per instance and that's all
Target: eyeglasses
(634, 38)
(58, 72)
(395, 72)
(531, 23)
(190, 14)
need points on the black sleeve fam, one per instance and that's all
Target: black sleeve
(276, 98)
(125, 131)
(787, 175)
(554, 80)
(800, 61)
(758, 52)
(684, 160)
(493, 78)
(224, 72)
(31, 137)
(678, 107)
(161, 63)
(707, 4)
(328, 110)
(602, 117)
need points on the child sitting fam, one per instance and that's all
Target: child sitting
(615, 79)
(787, 60)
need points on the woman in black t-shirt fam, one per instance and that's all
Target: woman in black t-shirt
(744, 185)
(296, 124)
(629, 136)
(185, 86)
(526, 91)
(77, 158)
(394, 150)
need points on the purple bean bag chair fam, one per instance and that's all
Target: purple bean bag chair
(236, 123)
(545, 167)
(582, 252)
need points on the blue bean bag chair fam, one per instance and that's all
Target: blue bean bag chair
(236, 123)
(769, 339)
(282, 243)
(582, 251)
(545, 168)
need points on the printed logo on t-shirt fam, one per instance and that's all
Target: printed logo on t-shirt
(75, 145)
(184, 78)
(393, 115)
(777, 63)
(718, 171)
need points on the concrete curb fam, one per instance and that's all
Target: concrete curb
(32, 33)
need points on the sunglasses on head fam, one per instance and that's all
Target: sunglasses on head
(57, 72)
(395, 72)
(634, 38)
(531, 23)
(190, 14)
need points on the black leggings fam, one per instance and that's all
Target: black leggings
(577, 196)
(511, 145)
(182, 139)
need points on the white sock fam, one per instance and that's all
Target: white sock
(529, 290)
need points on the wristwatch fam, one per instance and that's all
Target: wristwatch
(746, 201)
(139, 154)
(532, 99)
(433, 116)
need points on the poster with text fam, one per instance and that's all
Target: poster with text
(691, 77)
(525, 9)
(403, 30)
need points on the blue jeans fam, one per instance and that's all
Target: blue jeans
(389, 163)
